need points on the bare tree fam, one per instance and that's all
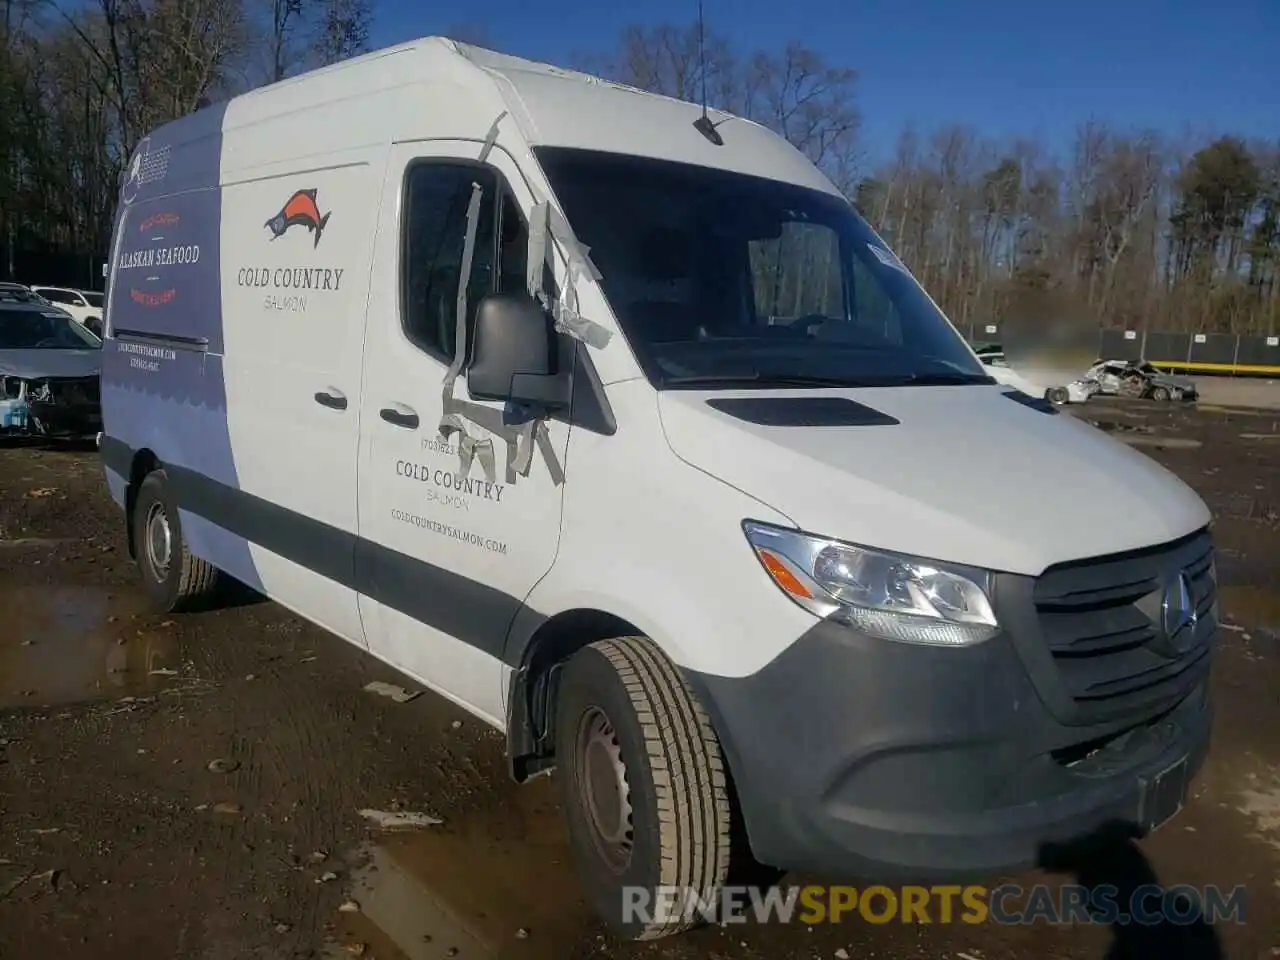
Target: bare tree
(808, 101)
(1125, 227)
(342, 29)
(80, 85)
(285, 17)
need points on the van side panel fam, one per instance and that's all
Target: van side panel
(163, 389)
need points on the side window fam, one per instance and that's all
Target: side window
(60, 296)
(435, 233)
(435, 236)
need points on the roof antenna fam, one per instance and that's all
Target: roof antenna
(704, 125)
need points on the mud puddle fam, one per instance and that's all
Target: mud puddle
(1141, 435)
(496, 883)
(1234, 411)
(1254, 607)
(1261, 802)
(67, 644)
(1163, 443)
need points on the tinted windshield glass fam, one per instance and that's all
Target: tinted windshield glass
(95, 299)
(31, 330)
(717, 276)
(20, 294)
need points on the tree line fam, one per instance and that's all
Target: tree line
(81, 81)
(1128, 227)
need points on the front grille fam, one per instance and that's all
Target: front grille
(1092, 637)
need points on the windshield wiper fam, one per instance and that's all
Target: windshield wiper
(943, 379)
(756, 379)
(759, 380)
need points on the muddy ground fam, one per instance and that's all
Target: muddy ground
(192, 787)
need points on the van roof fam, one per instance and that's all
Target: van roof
(552, 106)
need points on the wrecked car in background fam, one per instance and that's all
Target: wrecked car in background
(1077, 391)
(1140, 380)
(49, 367)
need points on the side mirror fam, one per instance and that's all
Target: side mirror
(514, 353)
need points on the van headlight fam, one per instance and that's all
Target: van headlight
(882, 594)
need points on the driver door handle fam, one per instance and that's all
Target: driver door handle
(332, 398)
(399, 415)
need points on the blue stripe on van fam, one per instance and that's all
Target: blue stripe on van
(163, 389)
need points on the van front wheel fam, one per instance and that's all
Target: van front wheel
(173, 578)
(643, 785)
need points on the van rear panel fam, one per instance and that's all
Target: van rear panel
(163, 390)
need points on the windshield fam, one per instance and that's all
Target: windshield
(723, 279)
(21, 294)
(30, 330)
(94, 299)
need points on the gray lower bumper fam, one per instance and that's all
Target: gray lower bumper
(854, 757)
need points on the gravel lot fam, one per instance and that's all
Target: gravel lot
(191, 787)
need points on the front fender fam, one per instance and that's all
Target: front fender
(657, 542)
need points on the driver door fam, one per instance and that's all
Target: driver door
(453, 539)
(1109, 379)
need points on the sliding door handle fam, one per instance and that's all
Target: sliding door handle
(398, 415)
(332, 398)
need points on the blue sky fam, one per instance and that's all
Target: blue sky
(1004, 67)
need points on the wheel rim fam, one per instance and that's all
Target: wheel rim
(603, 790)
(159, 540)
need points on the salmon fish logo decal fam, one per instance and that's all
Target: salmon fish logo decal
(301, 210)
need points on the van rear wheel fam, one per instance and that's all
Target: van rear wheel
(173, 578)
(643, 786)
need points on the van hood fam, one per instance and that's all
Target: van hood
(966, 474)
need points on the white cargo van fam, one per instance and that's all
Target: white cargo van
(620, 428)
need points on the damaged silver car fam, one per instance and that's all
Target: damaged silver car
(1139, 379)
(49, 372)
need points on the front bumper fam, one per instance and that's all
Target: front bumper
(854, 757)
(69, 420)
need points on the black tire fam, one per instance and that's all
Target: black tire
(622, 703)
(94, 326)
(1160, 394)
(1057, 396)
(174, 580)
